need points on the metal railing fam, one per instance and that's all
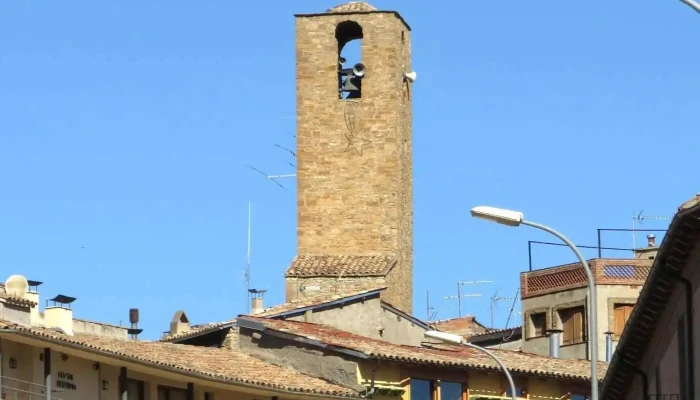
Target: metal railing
(23, 390)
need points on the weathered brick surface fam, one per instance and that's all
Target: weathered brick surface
(299, 288)
(350, 203)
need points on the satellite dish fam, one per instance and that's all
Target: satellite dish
(17, 286)
(411, 76)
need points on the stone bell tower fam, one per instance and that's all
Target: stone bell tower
(354, 162)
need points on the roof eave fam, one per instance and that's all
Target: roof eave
(619, 373)
(160, 366)
(327, 14)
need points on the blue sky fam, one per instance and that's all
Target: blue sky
(125, 128)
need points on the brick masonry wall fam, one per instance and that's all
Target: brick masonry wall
(350, 203)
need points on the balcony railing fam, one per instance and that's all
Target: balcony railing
(17, 389)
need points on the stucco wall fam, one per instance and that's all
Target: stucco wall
(17, 314)
(661, 359)
(367, 318)
(85, 382)
(607, 296)
(96, 328)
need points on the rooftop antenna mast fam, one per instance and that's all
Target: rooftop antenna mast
(275, 178)
(431, 312)
(247, 269)
(460, 295)
(495, 299)
(641, 218)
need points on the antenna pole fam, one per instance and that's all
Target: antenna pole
(459, 302)
(247, 271)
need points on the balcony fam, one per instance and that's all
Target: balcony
(16, 389)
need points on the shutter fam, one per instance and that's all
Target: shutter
(567, 326)
(578, 326)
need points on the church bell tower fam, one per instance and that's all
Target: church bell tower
(354, 156)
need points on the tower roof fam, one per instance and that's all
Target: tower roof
(353, 6)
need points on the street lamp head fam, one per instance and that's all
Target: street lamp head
(498, 215)
(444, 337)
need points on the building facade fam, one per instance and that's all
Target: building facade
(434, 371)
(557, 299)
(658, 355)
(354, 154)
(362, 313)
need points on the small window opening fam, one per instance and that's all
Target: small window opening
(350, 68)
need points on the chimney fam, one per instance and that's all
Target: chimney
(33, 295)
(554, 342)
(134, 319)
(608, 346)
(651, 240)
(59, 315)
(180, 323)
(256, 300)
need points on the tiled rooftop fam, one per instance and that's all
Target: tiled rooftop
(14, 299)
(353, 6)
(311, 301)
(222, 365)
(456, 356)
(465, 326)
(197, 330)
(346, 266)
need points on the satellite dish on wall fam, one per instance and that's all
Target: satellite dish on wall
(17, 286)
(411, 76)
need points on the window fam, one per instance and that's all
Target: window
(169, 393)
(575, 396)
(572, 324)
(450, 391)
(421, 389)
(621, 315)
(135, 389)
(539, 325)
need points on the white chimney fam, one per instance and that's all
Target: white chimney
(33, 295)
(60, 315)
(651, 240)
(256, 300)
(256, 305)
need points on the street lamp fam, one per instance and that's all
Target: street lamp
(456, 339)
(515, 218)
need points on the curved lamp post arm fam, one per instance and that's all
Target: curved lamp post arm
(500, 364)
(592, 309)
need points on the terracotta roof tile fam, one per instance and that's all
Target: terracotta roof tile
(467, 325)
(348, 266)
(456, 356)
(222, 365)
(312, 301)
(16, 300)
(197, 330)
(353, 6)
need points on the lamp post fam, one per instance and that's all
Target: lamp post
(456, 339)
(516, 218)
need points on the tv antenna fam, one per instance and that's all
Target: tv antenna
(641, 218)
(273, 178)
(431, 312)
(495, 299)
(247, 269)
(460, 295)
